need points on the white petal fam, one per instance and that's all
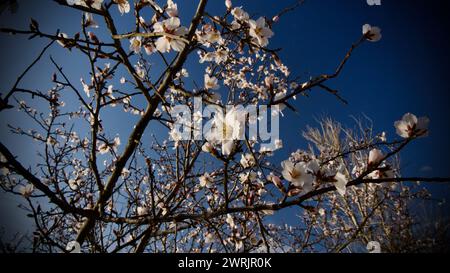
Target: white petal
(162, 44)
(341, 182)
(227, 147)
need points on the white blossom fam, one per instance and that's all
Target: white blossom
(63, 36)
(206, 180)
(170, 26)
(373, 247)
(86, 88)
(172, 9)
(260, 31)
(123, 5)
(208, 35)
(207, 147)
(240, 14)
(227, 128)
(103, 148)
(141, 210)
(230, 221)
(228, 4)
(341, 183)
(136, 44)
(373, 34)
(27, 190)
(297, 174)
(410, 126)
(375, 157)
(247, 176)
(247, 160)
(73, 247)
(211, 82)
(89, 20)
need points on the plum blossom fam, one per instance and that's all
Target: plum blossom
(27, 190)
(373, 34)
(341, 183)
(410, 126)
(149, 49)
(240, 14)
(140, 70)
(207, 147)
(183, 73)
(73, 247)
(208, 35)
(124, 6)
(228, 4)
(208, 57)
(260, 31)
(116, 143)
(103, 148)
(276, 181)
(74, 184)
(136, 44)
(172, 9)
(221, 56)
(373, 247)
(247, 176)
(297, 174)
(226, 129)
(247, 161)
(209, 238)
(63, 36)
(206, 180)
(383, 172)
(278, 144)
(142, 210)
(230, 221)
(89, 20)
(211, 82)
(375, 157)
(169, 26)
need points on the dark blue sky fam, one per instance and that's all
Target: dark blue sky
(407, 71)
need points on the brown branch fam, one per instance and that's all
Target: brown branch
(19, 79)
(27, 175)
(140, 127)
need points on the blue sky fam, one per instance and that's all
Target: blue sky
(405, 72)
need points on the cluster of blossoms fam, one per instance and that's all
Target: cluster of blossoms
(305, 172)
(170, 32)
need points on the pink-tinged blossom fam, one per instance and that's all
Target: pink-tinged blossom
(172, 9)
(410, 126)
(375, 157)
(297, 174)
(373, 34)
(260, 31)
(123, 5)
(136, 44)
(211, 82)
(169, 26)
